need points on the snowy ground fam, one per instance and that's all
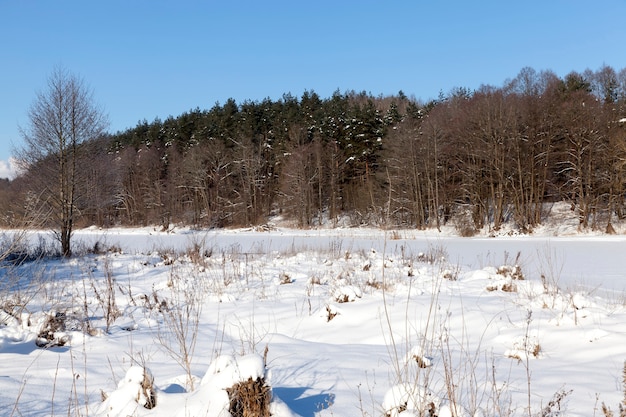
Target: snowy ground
(355, 323)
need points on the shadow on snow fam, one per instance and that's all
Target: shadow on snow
(304, 406)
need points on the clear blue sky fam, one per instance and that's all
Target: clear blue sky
(150, 58)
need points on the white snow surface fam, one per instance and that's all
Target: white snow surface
(344, 314)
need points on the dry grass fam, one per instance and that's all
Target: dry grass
(606, 410)
(379, 285)
(284, 278)
(512, 271)
(331, 313)
(106, 296)
(554, 406)
(147, 392)
(250, 399)
(181, 318)
(394, 235)
(47, 336)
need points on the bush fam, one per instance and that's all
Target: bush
(250, 398)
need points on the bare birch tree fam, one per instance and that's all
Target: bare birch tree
(61, 118)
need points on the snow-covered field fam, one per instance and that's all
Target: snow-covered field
(352, 322)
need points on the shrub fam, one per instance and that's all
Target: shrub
(250, 398)
(48, 337)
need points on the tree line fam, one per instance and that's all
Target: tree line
(476, 158)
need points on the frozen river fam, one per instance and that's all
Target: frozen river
(590, 262)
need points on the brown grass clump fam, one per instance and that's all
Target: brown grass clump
(331, 313)
(342, 298)
(146, 395)
(141, 378)
(534, 350)
(505, 287)
(250, 399)
(395, 235)
(147, 392)
(285, 279)
(554, 406)
(378, 285)
(422, 362)
(512, 271)
(47, 337)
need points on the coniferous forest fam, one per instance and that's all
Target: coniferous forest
(472, 159)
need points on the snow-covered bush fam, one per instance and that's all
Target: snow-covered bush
(403, 399)
(136, 390)
(346, 293)
(232, 387)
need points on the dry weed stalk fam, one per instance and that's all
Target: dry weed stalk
(395, 235)
(181, 318)
(434, 254)
(18, 288)
(553, 408)
(526, 363)
(106, 297)
(606, 410)
(551, 267)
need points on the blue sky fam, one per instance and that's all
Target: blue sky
(150, 58)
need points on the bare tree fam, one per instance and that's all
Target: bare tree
(299, 183)
(61, 118)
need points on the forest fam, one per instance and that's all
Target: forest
(474, 159)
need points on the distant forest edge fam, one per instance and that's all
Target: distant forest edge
(474, 158)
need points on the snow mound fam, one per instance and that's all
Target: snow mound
(403, 400)
(134, 393)
(136, 396)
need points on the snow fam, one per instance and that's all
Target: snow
(129, 397)
(356, 322)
